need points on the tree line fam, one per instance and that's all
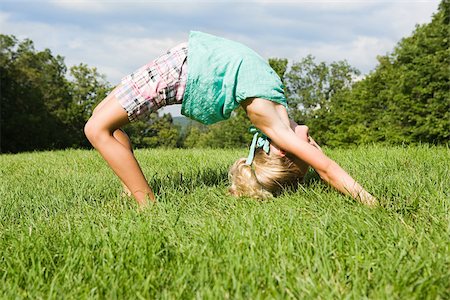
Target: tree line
(405, 99)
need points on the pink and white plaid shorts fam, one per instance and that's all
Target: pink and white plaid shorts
(159, 83)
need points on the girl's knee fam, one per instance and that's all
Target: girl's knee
(92, 131)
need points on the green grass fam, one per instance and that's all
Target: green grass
(65, 231)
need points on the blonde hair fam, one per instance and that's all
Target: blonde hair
(268, 175)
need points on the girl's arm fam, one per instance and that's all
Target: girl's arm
(282, 112)
(270, 118)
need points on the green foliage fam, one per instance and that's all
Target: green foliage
(66, 232)
(33, 95)
(41, 108)
(155, 132)
(196, 136)
(406, 99)
(231, 133)
(311, 87)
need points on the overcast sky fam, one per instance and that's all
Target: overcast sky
(118, 36)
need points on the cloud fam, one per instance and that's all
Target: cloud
(119, 36)
(361, 52)
(81, 5)
(112, 54)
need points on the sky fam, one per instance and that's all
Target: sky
(118, 36)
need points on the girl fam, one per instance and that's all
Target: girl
(210, 77)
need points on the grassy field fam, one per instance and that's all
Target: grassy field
(66, 232)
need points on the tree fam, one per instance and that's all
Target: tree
(311, 87)
(34, 94)
(420, 104)
(196, 136)
(406, 99)
(40, 107)
(157, 131)
(231, 133)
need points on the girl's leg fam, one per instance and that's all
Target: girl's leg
(118, 134)
(113, 145)
(123, 138)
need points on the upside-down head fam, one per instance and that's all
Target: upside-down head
(265, 177)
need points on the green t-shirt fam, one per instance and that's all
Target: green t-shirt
(223, 73)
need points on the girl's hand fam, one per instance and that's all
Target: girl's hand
(367, 199)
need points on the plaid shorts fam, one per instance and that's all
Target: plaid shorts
(159, 83)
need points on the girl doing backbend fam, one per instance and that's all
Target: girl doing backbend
(210, 77)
